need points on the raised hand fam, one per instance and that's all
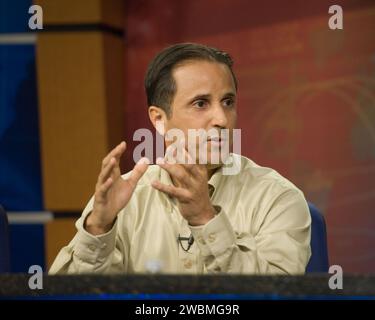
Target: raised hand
(112, 192)
(190, 189)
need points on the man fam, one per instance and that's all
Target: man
(186, 217)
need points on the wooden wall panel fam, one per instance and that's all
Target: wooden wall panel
(110, 12)
(58, 234)
(114, 89)
(72, 115)
(81, 107)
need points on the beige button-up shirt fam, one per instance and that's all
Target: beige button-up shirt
(262, 227)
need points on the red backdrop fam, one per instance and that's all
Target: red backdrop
(306, 97)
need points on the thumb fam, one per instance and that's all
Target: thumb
(139, 169)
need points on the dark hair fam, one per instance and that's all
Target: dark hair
(159, 83)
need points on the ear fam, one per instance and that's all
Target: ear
(158, 118)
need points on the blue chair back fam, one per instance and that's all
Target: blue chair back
(4, 242)
(319, 249)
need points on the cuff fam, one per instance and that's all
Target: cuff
(92, 249)
(214, 237)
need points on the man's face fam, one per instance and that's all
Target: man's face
(205, 98)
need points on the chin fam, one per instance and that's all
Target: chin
(211, 166)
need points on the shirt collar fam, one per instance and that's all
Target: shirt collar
(217, 177)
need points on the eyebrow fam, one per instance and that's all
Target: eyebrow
(208, 96)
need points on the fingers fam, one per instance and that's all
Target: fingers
(180, 165)
(106, 171)
(138, 171)
(104, 188)
(109, 163)
(188, 163)
(179, 174)
(179, 193)
(115, 153)
(184, 160)
(191, 164)
(177, 153)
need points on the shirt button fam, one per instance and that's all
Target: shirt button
(201, 240)
(188, 264)
(92, 247)
(211, 237)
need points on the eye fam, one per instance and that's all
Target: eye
(229, 102)
(200, 103)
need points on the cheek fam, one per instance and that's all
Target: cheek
(234, 117)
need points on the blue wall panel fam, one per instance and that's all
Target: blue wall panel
(26, 246)
(20, 168)
(14, 16)
(20, 172)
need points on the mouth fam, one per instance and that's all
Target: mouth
(216, 137)
(216, 141)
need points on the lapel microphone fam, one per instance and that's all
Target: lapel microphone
(190, 241)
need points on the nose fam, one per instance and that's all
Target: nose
(219, 116)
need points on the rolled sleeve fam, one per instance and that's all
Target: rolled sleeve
(94, 249)
(214, 237)
(279, 246)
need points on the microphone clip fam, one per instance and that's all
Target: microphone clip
(190, 241)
